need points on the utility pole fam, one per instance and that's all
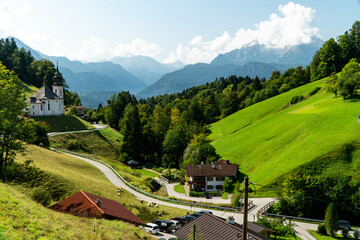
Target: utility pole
(246, 188)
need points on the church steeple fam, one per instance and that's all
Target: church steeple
(57, 79)
(58, 87)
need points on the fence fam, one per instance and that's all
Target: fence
(143, 192)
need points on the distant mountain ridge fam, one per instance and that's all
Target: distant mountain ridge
(252, 61)
(146, 68)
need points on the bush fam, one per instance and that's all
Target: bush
(152, 184)
(215, 194)
(296, 99)
(315, 90)
(42, 196)
(228, 185)
(278, 226)
(356, 233)
(73, 144)
(181, 183)
(321, 229)
(196, 194)
(225, 195)
(345, 232)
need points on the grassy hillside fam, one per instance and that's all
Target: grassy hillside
(99, 144)
(22, 218)
(28, 89)
(268, 140)
(85, 176)
(104, 145)
(65, 123)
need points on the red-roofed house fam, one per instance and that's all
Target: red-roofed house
(210, 177)
(85, 204)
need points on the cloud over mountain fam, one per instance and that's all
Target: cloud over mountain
(291, 27)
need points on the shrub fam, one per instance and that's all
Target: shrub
(331, 219)
(225, 195)
(73, 144)
(315, 90)
(321, 229)
(228, 185)
(345, 232)
(152, 184)
(42, 196)
(356, 233)
(296, 99)
(196, 194)
(181, 183)
(278, 226)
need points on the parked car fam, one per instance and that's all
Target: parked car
(205, 211)
(164, 225)
(182, 220)
(189, 217)
(176, 224)
(151, 228)
(196, 214)
(344, 224)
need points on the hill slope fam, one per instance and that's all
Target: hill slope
(267, 140)
(22, 218)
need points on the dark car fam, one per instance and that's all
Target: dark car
(344, 224)
(182, 220)
(195, 214)
(189, 218)
(205, 211)
(164, 225)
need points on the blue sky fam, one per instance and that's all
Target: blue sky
(168, 30)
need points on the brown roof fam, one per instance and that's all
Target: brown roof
(210, 227)
(258, 228)
(79, 107)
(44, 93)
(83, 204)
(219, 168)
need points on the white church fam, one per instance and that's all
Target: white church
(47, 102)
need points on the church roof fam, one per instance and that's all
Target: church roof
(43, 93)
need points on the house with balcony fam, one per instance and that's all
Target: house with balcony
(210, 177)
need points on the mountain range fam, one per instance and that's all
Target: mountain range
(95, 82)
(252, 60)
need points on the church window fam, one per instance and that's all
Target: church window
(49, 106)
(55, 91)
(41, 107)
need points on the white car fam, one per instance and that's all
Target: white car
(176, 224)
(151, 228)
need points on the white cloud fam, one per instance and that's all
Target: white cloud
(9, 9)
(91, 50)
(291, 27)
(137, 47)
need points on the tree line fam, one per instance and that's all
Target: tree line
(31, 71)
(170, 130)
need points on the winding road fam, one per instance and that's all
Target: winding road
(301, 228)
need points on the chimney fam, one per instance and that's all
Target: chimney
(227, 161)
(230, 220)
(98, 203)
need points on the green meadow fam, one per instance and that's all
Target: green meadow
(272, 137)
(65, 123)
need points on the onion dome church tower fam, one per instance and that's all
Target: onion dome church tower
(58, 87)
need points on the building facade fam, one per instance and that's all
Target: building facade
(46, 101)
(210, 177)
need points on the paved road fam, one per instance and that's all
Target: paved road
(301, 228)
(97, 128)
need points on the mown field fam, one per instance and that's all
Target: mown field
(272, 138)
(22, 218)
(65, 123)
